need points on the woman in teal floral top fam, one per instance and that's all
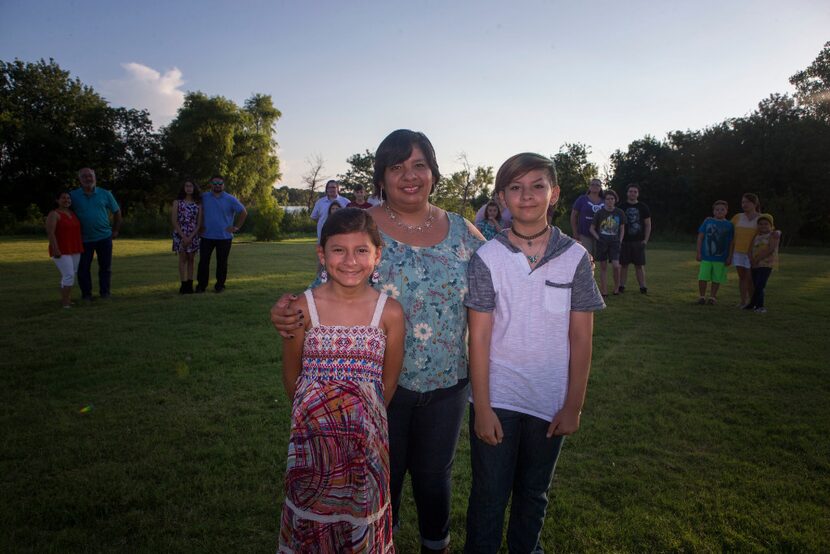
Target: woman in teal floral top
(423, 266)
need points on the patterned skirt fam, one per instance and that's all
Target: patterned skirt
(337, 480)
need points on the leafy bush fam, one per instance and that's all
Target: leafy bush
(266, 220)
(297, 223)
(141, 221)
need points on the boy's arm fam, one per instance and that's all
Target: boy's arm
(487, 425)
(395, 327)
(594, 228)
(646, 230)
(580, 336)
(574, 226)
(292, 352)
(731, 246)
(699, 245)
(622, 231)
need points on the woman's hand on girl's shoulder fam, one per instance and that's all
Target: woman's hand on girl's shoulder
(287, 314)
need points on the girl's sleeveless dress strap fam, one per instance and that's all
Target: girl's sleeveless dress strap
(312, 308)
(378, 310)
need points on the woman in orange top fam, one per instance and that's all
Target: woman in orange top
(65, 246)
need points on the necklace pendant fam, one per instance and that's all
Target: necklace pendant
(530, 243)
(532, 259)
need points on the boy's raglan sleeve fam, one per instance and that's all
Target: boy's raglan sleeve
(481, 295)
(585, 295)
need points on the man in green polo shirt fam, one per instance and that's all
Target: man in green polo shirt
(93, 207)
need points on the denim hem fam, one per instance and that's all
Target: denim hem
(436, 545)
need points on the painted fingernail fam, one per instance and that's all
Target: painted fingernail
(290, 336)
(299, 325)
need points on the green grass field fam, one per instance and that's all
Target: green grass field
(157, 423)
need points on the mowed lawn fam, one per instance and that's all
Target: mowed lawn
(157, 423)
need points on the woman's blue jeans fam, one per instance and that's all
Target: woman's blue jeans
(423, 435)
(522, 464)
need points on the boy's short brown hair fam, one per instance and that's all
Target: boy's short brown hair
(723, 203)
(520, 164)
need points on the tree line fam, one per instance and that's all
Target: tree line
(52, 124)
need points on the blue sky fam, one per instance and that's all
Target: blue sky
(486, 78)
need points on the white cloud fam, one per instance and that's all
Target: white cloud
(145, 88)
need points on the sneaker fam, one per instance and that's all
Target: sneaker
(622, 289)
(218, 288)
(712, 301)
(701, 301)
(644, 290)
(760, 310)
(199, 290)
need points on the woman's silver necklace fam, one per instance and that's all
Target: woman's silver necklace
(426, 224)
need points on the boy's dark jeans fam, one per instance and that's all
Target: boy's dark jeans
(223, 250)
(523, 465)
(423, 435)
(103, 249)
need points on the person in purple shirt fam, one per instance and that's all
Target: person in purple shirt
(219, 210)
(582, 215)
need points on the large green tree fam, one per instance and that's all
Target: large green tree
(813, 85)
(211, 134)
(361, 171)
(51, 125)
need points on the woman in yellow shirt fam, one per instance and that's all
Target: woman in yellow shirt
(746, 224)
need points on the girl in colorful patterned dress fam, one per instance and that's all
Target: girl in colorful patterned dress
(186, 217)
(341, 369)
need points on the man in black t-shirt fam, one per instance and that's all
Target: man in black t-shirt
(637, 234)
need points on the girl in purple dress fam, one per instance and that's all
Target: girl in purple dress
(186, 217)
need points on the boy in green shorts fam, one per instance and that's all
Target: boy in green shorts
(715, 243)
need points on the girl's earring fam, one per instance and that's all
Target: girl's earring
(375, 278)
(324, 276)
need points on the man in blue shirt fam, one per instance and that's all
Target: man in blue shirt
(93, 207)
(218, 212)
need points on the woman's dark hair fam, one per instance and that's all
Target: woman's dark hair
(752, 197)
(498, 210)
(333, 204)
(350, 220)
(397, 148)
(61, 193)
(520, 164)
(197, 195)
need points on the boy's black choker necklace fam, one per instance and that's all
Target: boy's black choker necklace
(529, 238)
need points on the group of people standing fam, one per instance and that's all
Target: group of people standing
(749, 242)
(204, 222)
(347, 353)
(88, 218)
(613, 233)
(332, 201)
(80, 228)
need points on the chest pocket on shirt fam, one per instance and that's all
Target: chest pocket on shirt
(558, 296)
